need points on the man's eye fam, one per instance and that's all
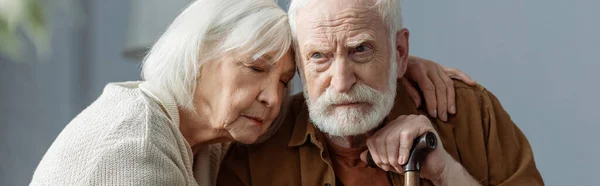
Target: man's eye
(317, 55)
(362, 48)
(362, 53)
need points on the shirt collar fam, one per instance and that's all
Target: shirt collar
(303, 129)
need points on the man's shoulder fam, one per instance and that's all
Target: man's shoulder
(462, 87)
(475, 106)
(469, 96)
(485, 140)
(471, 103)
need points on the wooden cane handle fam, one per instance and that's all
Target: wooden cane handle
(422, 145)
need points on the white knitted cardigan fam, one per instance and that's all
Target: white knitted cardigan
(128, 136)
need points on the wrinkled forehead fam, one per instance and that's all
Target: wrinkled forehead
(338, 17)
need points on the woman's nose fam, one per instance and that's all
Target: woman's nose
(269, 95)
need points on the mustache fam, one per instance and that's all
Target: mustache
(358, 93)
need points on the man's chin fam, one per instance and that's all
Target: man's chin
(343, 111)
(347, 133)
(340, 126)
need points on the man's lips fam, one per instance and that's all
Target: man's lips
(347, 104)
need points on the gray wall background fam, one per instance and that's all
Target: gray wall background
(38, 97)
(537, 56)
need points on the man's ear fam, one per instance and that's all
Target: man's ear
(402, 51)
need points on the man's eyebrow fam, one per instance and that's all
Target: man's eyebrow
(362, 38)
(317, 47)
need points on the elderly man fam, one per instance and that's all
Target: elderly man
(350, 54)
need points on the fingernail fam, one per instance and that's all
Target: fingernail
(401, 160)
(453, 109)
(435, 113)
(399, 170)
(444, 117)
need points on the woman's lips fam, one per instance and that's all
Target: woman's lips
(255, 120)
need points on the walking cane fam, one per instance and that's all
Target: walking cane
(421, 147)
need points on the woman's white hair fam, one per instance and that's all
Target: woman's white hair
(209, 29)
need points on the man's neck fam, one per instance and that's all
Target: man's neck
(348, 141)
(357, 141)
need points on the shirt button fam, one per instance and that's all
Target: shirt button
(327, 184)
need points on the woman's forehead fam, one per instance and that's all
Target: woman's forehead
(268, 58)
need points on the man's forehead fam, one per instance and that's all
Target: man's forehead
(351, 23)
(330, 4)
(315, 11)
(335, 16)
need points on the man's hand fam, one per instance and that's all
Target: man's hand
(390, 148)
(435, 81)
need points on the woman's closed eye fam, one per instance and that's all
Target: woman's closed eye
(256, 68)
(255, 65)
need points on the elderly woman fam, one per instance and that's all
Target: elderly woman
(220, 73)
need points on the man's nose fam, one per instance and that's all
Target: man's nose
(343, 76)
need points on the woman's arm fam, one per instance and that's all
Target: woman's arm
(434, 82)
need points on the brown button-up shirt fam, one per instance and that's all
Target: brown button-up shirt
(481, 136)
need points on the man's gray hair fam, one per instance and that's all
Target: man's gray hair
(390, 11)
(209, 29)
